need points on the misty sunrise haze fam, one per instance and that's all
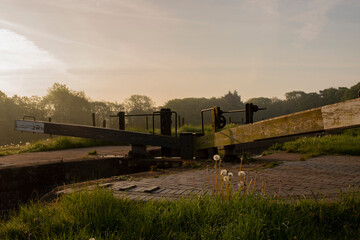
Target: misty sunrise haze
(175, 49)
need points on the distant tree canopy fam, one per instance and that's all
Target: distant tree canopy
(138, 104)
(296, 101)
(62, 104)
(190, 108)
(66, 105)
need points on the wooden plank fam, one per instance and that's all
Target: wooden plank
(341, 115)
(151, 189)
(98, 133)
(335, 116)
(127, 187)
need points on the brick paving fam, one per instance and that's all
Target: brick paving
(323, 176)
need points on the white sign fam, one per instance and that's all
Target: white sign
(29, 126)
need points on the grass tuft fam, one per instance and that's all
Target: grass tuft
(93, 152)
(98, 214)
(346, 143)
(326, 145)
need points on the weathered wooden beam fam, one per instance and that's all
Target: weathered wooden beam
(97, 133)
(330, 117)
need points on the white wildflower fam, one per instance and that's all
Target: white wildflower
(223, 172)
(241, 174)
(230, 174)
(226, 179)
(216, 157)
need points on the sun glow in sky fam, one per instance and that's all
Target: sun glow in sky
(19, 53)
(165, 49)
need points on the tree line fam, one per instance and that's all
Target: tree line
(62, 104)
(294, 101)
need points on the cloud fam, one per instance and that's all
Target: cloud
(19, 53)
(16, 48)
(135, 9)
(260, 11)
(314, 19)
(32, 31)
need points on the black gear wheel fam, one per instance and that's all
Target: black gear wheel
(222, 122)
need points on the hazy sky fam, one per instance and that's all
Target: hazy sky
(169, 49)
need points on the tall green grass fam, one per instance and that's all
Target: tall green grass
(98, 214)
(344, 144)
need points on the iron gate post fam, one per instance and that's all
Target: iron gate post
(249, 113)
(215, 119)
(121, 116)
(165, 127)
(187, 145)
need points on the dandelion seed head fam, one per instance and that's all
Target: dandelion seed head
(230, 174)
(241, 174)
(226, 179)
(241, 184)
(223, 172)
(216, 157)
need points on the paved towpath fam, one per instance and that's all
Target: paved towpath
(323, 176)
(26, 159)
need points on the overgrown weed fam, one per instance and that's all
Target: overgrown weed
(344, 144)
(98, 214)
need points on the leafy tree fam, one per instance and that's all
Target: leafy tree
(190, 108)
(103, 111)
(328, 96)
(138, 104)
(233, 99)
(65, 105)
(353, 92)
